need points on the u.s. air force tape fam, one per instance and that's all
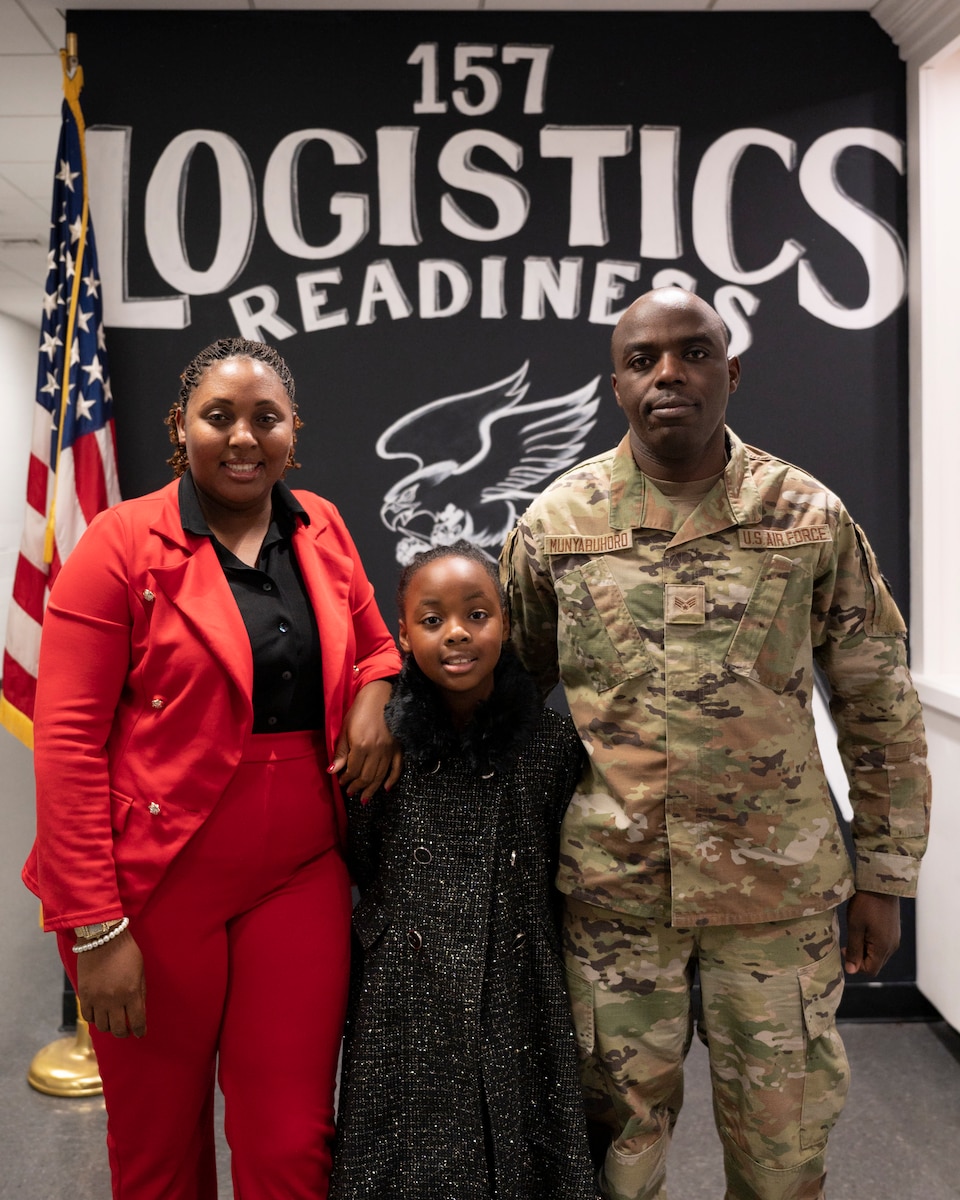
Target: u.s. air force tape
(802, 535)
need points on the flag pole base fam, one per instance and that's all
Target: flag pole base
(67, 1067)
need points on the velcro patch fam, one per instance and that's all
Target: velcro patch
(683, 604)
(802, 535)
(600, 543)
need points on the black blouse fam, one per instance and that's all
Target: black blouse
(277, 613)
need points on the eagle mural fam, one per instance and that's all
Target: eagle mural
(479, 458)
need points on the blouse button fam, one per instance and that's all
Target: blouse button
(287, 675)
(283, 627)
(154, 809)
(148, 596)
(422, 855)
(271, 720)
(519, 942)
(414, 939)
(156, 702)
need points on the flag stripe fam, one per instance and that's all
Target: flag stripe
(37, 478)
(89, 477)
(31, 545)
(23, 639)
(72, 472)
(29, 592)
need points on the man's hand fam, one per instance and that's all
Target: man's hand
(873, 932)
(111, 988)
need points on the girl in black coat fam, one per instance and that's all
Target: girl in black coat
(459, 1075)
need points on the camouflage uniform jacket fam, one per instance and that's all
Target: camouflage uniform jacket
(686, 652)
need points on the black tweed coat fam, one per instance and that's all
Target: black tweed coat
(459, 1074)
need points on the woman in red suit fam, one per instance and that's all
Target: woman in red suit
(212, 663)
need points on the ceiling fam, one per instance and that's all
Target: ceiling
(32, 32)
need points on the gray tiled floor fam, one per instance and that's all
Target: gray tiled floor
(897, 1139)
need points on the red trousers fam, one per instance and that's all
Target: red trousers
(246, 959)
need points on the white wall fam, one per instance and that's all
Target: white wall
(932, 53)
(18, 353)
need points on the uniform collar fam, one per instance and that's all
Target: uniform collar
(733, 500)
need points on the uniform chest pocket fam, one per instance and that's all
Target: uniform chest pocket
(775, 623)
(598, 637)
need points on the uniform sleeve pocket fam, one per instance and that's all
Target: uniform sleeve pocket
(883, 618)
(598, 638)
(774, 624)
(888, 782)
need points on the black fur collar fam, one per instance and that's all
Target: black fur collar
(501, 726)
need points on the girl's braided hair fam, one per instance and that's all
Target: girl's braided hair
(458, 549)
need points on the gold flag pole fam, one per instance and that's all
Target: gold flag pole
(69, 1066)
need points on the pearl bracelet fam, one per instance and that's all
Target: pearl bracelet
(102, 941)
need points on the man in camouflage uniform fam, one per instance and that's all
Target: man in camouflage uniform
(682, 586)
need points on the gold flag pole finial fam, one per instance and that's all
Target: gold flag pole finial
(72, 59)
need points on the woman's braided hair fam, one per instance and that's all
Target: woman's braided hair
(218, 351)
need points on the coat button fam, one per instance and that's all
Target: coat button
(148, 595)
(156, 702)
(154, 809)
(422, 855)
(414, 939)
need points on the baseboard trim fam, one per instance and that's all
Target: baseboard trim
(897, 1000)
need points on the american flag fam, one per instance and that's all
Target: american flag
(73, 463)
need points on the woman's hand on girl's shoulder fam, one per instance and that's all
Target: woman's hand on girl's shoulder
(367, 755)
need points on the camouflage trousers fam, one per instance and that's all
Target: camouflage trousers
(778, 1068)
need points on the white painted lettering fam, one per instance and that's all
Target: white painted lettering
(713, 204)
(396, 190)
(510, 198)
(108, 182)
(431, 272)
(586, 146)
(164, 211)
(607, 289)
(381, 286)
(874, 240)
(313, 299)
(493, 304)
(542, 282)
(660, 203)
(257, 323)
(281, 196)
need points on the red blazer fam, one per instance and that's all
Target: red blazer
(144, 697)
